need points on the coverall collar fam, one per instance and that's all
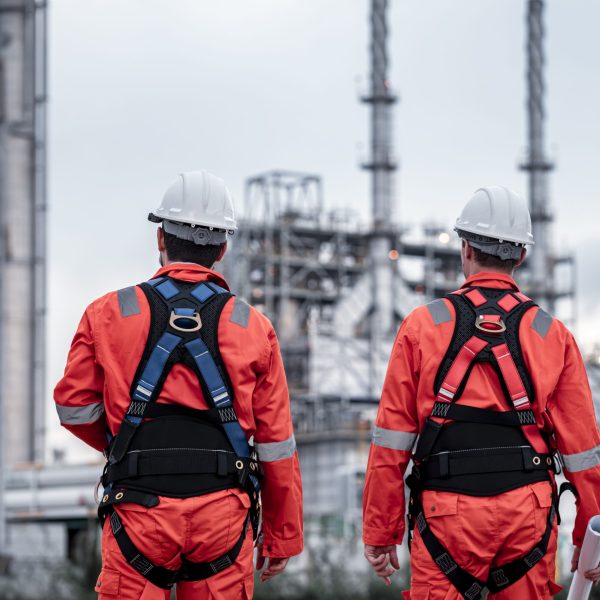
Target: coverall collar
(187, 271)
(491, 279)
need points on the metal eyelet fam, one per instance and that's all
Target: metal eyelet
(239, 465)
(253, 466)
(105, 498)
(536, 460)
(119, 496)
(548, 461)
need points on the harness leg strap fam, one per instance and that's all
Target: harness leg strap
(160, 576)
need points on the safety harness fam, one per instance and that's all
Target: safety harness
(477, 451)
(172, 450)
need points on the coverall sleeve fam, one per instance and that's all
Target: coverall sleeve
(79, 394)
(576, 434)
(276, 447)
(394, 435)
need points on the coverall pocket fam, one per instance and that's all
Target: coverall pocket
(542, 500)
(108, 583)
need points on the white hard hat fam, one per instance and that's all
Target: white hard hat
(197, 198)
(496, 220)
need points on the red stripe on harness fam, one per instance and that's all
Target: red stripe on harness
(459, 368)
(476, 297)
(508, 302)
(518, 395)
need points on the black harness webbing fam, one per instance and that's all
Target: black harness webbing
(173, 450)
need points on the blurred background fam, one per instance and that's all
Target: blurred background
(351, 134)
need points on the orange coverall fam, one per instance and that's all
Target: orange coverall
(481, 532)
(93, 396)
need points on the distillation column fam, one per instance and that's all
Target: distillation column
(381, 165)
(22, 228)
(537, 166)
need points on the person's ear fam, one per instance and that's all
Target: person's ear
(160, 239)
(522, 258)
(222, 253)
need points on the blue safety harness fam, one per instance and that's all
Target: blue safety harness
(170, 449)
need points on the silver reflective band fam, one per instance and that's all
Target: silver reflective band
(271, 451)
(240, 315)
(582, 460)
(79, 415)
(541, 322)
(395, 440)
(128, 302)
(439, 311)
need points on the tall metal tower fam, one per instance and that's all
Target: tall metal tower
(541, 263)
(382, 166)
(22, 228)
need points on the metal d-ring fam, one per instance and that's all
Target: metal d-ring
(194, 317)
(499, 326)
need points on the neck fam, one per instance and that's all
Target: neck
(474, 268)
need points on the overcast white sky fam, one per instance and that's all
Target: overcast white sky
(143, 89)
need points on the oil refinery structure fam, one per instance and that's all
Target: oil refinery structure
(335, 289)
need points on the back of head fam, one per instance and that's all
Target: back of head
(496, 224)
(197, 215)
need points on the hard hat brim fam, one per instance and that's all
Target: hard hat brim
(505, 238)
(152, 217)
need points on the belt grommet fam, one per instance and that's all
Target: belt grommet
(119, 496)
(536, 460)
(253, 466)
(105, 498)
(239, 465)
(548, 461)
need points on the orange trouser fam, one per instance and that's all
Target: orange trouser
(481, 532)
(202, 528)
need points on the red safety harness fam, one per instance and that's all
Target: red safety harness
(478, 451)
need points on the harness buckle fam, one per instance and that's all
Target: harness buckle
(490, 324)
(195, 317)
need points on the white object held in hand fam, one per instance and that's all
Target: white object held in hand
(588, 559)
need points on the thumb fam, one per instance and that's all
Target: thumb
(394, 557)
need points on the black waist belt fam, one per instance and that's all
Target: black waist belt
(173, 462)
(493, 460)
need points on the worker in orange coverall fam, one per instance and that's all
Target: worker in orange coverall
(182, 386)
(491, 388)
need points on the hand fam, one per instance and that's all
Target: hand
(274, 566)
(575, 559)
(384, 560)
(592, 574)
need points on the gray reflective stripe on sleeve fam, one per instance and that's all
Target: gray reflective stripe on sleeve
(582, 460)
(439, 311)
(128, 302)
(396, 440)
(542, 322)
(240, 315)
(271, 451)
(79, 415)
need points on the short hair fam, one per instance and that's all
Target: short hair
(186, 251)
(495, 262)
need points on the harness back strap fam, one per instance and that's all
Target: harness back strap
(518, 396)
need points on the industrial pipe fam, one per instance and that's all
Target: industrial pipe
(588, 559)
